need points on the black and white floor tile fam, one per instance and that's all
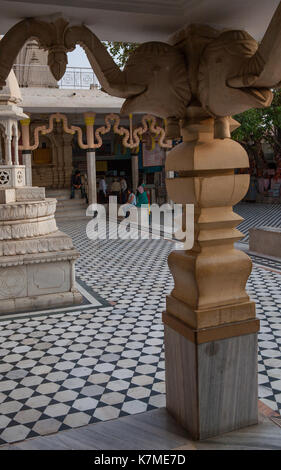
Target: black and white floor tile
(258, 215)
(65, 369)
(264, 287)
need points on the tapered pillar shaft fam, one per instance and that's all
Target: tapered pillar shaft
(135, 171)
(210, 324)
(27, 161)
(91, 173)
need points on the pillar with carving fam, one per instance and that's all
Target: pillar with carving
(89, 119)
(26, 154)
(196, 82)
(67, 159)
(210, 323)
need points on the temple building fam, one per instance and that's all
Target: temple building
(59, 154)
(159, 337)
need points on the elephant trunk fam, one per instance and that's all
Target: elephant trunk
(111, 78)
(263, 69)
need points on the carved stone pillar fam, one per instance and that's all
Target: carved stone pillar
(27, 161)
(210, 324)
(67, 157)
(135, 171)
(91, 174)
(57, 139)
(54, 147)
(26, 154)
(60, 161)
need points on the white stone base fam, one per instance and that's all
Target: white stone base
(24, 194)
(40, 302)
(37, 281)
(36, 259)
(7, 196)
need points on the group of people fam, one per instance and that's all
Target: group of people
(125, 195)
(135, 200)
(118, 188)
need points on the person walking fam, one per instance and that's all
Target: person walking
(116, 188)
(124, 187)
(76, 183)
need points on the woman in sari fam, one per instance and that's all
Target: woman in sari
(142, 198)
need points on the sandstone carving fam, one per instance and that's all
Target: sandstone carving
(196, 82)
(227, 72)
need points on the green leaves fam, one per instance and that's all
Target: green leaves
(260, 125)
(120, 51)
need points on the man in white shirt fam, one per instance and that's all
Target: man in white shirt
(102, 190)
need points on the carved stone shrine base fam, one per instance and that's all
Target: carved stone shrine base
(210, 324)
(36, 259)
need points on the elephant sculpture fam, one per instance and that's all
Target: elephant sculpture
(228, 74)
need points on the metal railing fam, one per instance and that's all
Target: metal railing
(79, 78)
(34, 75)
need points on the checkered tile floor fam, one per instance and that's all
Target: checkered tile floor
(67, 369)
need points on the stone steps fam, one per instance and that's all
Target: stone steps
(68, 208)
(58, 193)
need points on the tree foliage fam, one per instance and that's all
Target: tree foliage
(120, 51)
(259, 126)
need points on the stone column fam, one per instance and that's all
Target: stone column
(89, 119)
(210, 324)
(91, 174)
(57, 148)
(27, 161)
(60, 154)
(8, 144)
(15, 143)
(67, 164)
(135, 171)
(26, 154)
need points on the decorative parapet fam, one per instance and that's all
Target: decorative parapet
(131, 137)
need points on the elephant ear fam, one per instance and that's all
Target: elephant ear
(263, 69)
(111, 78)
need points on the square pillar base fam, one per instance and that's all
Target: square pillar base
(211, 386)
